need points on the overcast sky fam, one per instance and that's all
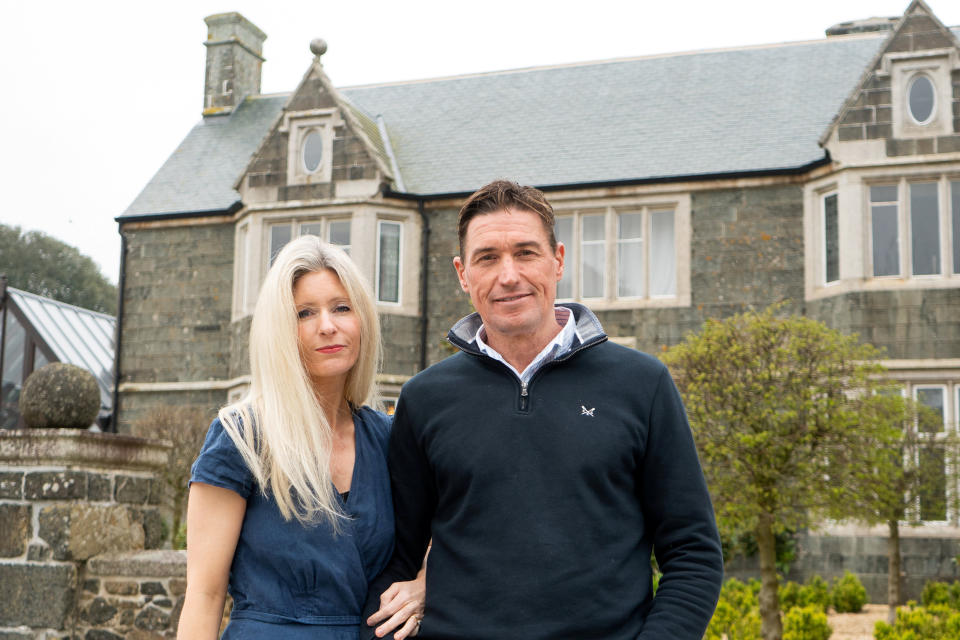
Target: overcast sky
(97, 94)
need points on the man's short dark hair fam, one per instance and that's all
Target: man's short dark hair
(501, 195)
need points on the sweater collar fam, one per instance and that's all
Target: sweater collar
(463, 334)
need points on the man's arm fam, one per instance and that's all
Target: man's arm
(678, 507)
(414, 503)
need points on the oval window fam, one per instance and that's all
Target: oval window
(312, 151)
(921, 98)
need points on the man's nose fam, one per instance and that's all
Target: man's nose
(508, 272)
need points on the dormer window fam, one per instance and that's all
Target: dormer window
(921, 99)
(310, 146)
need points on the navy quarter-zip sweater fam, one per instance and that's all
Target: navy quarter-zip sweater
(544, 503)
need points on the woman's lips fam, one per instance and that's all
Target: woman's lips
(334, 348)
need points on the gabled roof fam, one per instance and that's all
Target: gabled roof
(754, 109)
(75, 335)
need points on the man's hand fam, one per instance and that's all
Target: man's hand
(401, 605)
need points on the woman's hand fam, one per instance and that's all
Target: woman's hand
(401, 606)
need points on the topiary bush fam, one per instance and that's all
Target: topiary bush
(816, 592)
(947, 594)
(848, 594)
(60, 396)
(737, 616)
(789, 595)
(936, 622)
(806, 623)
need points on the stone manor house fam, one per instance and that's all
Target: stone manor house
(825, 174)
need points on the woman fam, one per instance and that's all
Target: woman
(290, 497)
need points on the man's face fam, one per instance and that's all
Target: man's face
(511, 273)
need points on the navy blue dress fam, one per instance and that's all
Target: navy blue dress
(293, 581)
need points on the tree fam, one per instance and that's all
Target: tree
(896, 475)
(41, 264)
(772, 403)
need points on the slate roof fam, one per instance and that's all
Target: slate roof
(76, 335)
(683, 115)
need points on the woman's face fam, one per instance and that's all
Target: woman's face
(328, 326)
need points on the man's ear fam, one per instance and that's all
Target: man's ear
(559, 255)
(459, 266)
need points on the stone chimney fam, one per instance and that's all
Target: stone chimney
(867, 25)
(234, 61)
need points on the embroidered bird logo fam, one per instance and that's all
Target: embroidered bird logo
(587, 412)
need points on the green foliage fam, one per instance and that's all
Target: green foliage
(41, 264)
(848, 594)
(941, 593)
(815, 593)
(180, 537)
(806, 623)
(935, 622)
(737, 616)
(745, 544)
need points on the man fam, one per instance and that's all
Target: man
(545, 461)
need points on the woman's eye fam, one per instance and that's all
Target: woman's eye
(342, 308)
(304, 313)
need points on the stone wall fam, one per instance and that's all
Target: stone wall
(923, 559)
(132, 595)
(66, 496)
(176, 309)
(907, 324)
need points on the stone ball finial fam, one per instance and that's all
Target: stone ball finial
(318, 46)
(60, 396)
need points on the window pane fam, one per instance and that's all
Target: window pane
(886, 253)
(312, 229)
(932, 399)
(340, 234)
(388, 263)
(955, 206)
(12, 381)
(883, 194)
(312, 151)
(564, 232)
(663, 260)
(831, 242)
(279, 237)
(630, 255)
(925, 228)
(933, 488)
(592, 256)
(39, 360)
(921, 98)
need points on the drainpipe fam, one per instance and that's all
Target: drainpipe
(424, 264)
(116, 353)
(3, 320)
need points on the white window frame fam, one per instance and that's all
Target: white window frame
(905, 229)
(823, 239)
(298, 126)
(610, 298)
(296, 230)
(376, 273)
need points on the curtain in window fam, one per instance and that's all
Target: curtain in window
(663, 261)
(886, 251)
(388, 278)
(925, 228)
(564, 233)
(630, 255)
(592, 256)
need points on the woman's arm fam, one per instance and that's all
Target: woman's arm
(214, 517)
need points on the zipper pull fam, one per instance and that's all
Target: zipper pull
(523, 389)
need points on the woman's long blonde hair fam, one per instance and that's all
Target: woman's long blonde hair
(280, 427)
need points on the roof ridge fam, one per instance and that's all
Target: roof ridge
(589, 63)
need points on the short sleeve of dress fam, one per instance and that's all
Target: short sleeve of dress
(220, 464)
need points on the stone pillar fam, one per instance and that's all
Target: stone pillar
(67, 495)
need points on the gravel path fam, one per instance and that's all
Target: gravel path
(857, 626)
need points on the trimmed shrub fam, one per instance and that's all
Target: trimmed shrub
(789, 594)
(806, 623)
(936, 622)
(60, 396)
(947, 594)
(737, 616)
(848, 594)
(815, 593)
